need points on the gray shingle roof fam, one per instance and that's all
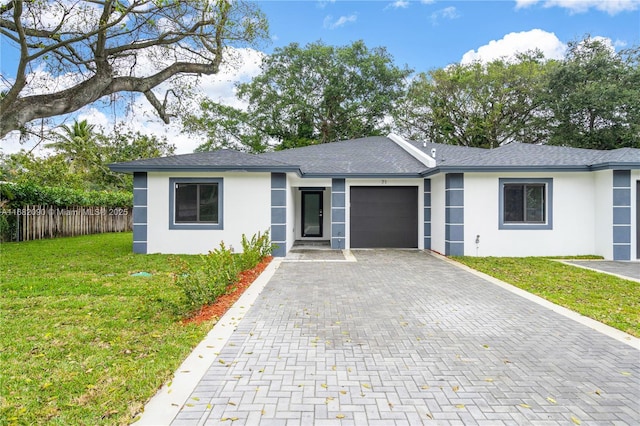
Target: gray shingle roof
(622, 155)
(223, 159)
(519, 155)
(380, 156)
(375, 155)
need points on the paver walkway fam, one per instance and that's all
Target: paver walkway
(630, 270)
(401, 337)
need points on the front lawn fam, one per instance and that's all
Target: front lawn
(82, 340)
(605, 298)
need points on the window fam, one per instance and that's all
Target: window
(525, 203)
(195, 203)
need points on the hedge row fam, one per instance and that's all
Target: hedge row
(18, 195)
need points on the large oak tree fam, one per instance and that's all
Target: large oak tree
(594, 97)
(97, 48)
(478, 104)
(306, 95)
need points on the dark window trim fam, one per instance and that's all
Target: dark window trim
(193, 225)
(548, 184)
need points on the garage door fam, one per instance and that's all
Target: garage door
(384, 216)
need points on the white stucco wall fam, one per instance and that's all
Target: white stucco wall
(635, 180)
(291, 214)
(438, 213)
(603, 210)
(246, 210)
(574, 217)
(297, 183)
(386, 182)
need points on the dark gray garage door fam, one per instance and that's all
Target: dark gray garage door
(384, 217)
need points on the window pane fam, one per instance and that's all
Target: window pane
(186, 198)
(209, 203)
(513, 203)
(535, 203)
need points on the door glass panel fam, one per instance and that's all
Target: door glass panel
(312, 214)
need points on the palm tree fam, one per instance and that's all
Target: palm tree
(78, 144)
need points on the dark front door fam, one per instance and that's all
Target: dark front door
(384, 217)
(312, 213)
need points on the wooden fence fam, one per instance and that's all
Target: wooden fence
(38, 222)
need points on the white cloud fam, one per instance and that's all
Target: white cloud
(513, 43)
(611, 7)
(447, 13)
(94, 116)
(323, 3)
(340, 22)
(400, 4)
(521, 4)
(620, 44)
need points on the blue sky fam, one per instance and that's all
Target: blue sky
(422, 34)
(427, 35)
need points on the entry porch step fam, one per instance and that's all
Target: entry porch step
(306, 245)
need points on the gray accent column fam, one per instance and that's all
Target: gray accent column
(139, 212)
(621, 215)
(454, 215)
(279, 213)
(338, 213)
(427, 214)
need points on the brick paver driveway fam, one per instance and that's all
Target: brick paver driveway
(401, 337)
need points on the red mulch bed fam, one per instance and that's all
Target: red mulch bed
(224, 302)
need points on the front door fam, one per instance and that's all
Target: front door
(312, 213)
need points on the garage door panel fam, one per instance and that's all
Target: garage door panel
(384, 217)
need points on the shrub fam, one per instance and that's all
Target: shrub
(17, 195)
(218, 270)
(254, 250)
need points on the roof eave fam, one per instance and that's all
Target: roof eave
(616, 165)
(493, 169)
(124, 168)
(363, 175)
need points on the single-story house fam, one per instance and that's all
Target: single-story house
(374, 192)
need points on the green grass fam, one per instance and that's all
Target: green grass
(605, 298)
(81, 340)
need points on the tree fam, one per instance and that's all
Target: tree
(594, 95)
(130, 146)
(311, 94)
(478, 105)
(224, 127)
(77, 145)
(24, 167)
(81, 159)
(97, 48)
(126, 146)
